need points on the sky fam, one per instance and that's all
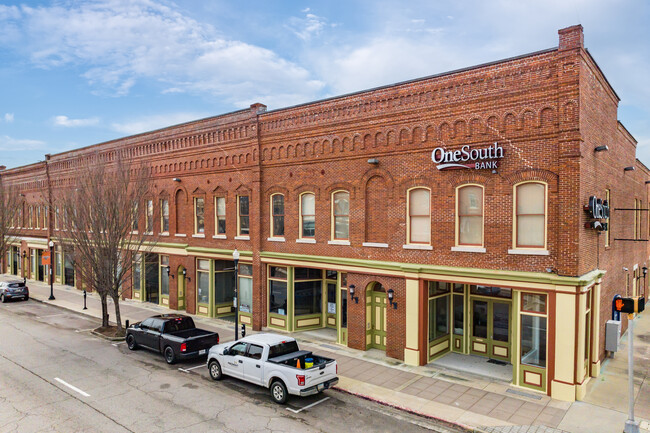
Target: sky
(77, 73)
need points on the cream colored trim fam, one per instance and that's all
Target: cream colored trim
(275, 239)
(271, 214)
(305, 241)
(300, 217)
(417, 247)
(199, 235)
(529, 252)
(464, 249)
(219, 237)
(457, 218)
(514, 215)
(374, 245)
(338, 242)
(565, 344)
(335, 241)
(243, 238)
(163, 234)
(180, 235)
(412, 316)
(408, 215)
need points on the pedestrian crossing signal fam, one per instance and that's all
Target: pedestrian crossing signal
(630, 305)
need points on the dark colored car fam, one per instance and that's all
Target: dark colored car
(13, 290)
(173, 335)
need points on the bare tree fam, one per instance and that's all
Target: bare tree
(97, 218)
(10, 203)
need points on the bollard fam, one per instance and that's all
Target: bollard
(85, 300)
(127, 323)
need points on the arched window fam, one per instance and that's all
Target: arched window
(277, 213)
(530, 215)
(419, 212)
(469, 209)
(307, 215)
(341, 215)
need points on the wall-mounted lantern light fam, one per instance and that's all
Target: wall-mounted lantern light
(391, 296)
(176, 179)
(168, 269)
(601, 148)
(373, 161)
(630, 168)
(351, 289)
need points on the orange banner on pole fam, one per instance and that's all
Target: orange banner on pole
(45, 258)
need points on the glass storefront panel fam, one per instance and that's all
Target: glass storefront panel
(245, 294)
(500, 292)
(500, 321)
(307, 274)
(459, 315)
(438, 317)
(278, 297)
(533, 340)
(533, 302)
(307, 297)
(203, 287)
(344, 308)
(224, 287)
(480, 319)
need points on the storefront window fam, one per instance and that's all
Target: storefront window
(278, 297)
(419, 216)
(533, 340)
(243, 212)
(164, 275)
(224, 281)
(203, 281)
(341, 211)
(308, 297)
(277, 207)
(531, 215)
(246, 288)
(499, 292)
(438, 288)
(307, 274)
(220, 216)
(438, 309)
(533, 303)
(307, 215)
(459, 314)
(470, 215)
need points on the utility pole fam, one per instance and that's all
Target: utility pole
(631, 426)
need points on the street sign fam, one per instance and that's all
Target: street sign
(45, 258)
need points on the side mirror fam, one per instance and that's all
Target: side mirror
(225, 351)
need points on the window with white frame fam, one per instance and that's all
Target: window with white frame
(220, 215)
(470, 215)
(164, 215)
(149, 225)
(134, 225)
(277, 217)
(199, 214)
(243, 214)
(341, 215)
(530, 215)
(419, 212)
(307, 215)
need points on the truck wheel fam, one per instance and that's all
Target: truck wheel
(279, 392)
(169, 355)
(215, 370)
(130, 342)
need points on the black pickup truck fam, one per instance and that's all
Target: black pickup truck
(173, 335)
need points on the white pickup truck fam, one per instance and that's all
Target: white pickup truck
(275, 362)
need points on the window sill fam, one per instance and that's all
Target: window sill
(180, 235)
(163, 234)
(469, 249)
(198, 235)
(374, 245)
(529, 252)
(417, 247)
(276, 239)
(305, 241)
(219, 237)
(243, 238)
(339, 242)
(134, 232)
(148, 233)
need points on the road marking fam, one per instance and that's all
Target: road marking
(74, 388)
(83, 330)
(51, 315)
(187, 370)
(307, 407)
(117, 344)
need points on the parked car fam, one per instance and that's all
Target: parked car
(13, 290)
(173, 335)
(274, 362)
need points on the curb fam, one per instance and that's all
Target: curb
(105, 337)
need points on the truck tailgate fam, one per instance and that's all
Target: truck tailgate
(317, 375)
(200, 342)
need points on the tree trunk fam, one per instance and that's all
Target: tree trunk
(118, 317)
(104, 310)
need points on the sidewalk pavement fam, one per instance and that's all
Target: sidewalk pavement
(478, 403)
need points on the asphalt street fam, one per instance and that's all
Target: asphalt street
(57, 377)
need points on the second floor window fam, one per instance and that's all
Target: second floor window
(220, 215)
(277, 221)
(149, 227)
(164, 215)
(470, 215)
(199, 221)
(341, 214)
(134, 216)
(419, 226)
(243, 212)
(307, 215)
(530, 221)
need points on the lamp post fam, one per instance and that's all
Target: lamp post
(51, 298)
(235, 257)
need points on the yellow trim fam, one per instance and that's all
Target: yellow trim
(514, 216)
(565, 344)
(457, 216)
(408, 216)
(412, 316)
(300, 215)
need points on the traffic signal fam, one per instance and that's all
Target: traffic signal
(630, 305)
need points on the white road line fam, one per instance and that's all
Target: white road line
(187, 370)
(117, 344)
(74, 388)
(51, 315)
(307, 407)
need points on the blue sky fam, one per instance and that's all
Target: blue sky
(76, 73)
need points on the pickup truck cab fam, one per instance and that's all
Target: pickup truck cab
(173, 335)
(274, 362)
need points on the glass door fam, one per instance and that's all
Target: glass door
(490, 329)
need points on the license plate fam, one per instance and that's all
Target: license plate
(321, 386)
(202, 351)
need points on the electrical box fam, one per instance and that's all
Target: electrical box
(612, 335)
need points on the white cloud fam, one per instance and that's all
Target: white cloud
(9, 117)
(9, 144)
(306, 28)
(73, 123)
(116, 43)
(150, 123)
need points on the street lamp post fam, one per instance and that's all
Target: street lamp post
(51, 298)
(235, 257)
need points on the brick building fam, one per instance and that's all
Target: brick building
(440, 215)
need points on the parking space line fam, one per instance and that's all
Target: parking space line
(308, 406)
(74, 388)
(187, 370)
(83, 330)
(117, 344)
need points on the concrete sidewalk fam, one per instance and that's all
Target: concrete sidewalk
(476, 402)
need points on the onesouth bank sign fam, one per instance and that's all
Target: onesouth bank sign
(466, 157)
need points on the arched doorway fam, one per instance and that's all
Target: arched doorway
(180, 278)
(376, 324)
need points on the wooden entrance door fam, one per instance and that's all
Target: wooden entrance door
(376, 300)
(490, 328)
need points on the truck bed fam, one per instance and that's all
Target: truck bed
(291, 360)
